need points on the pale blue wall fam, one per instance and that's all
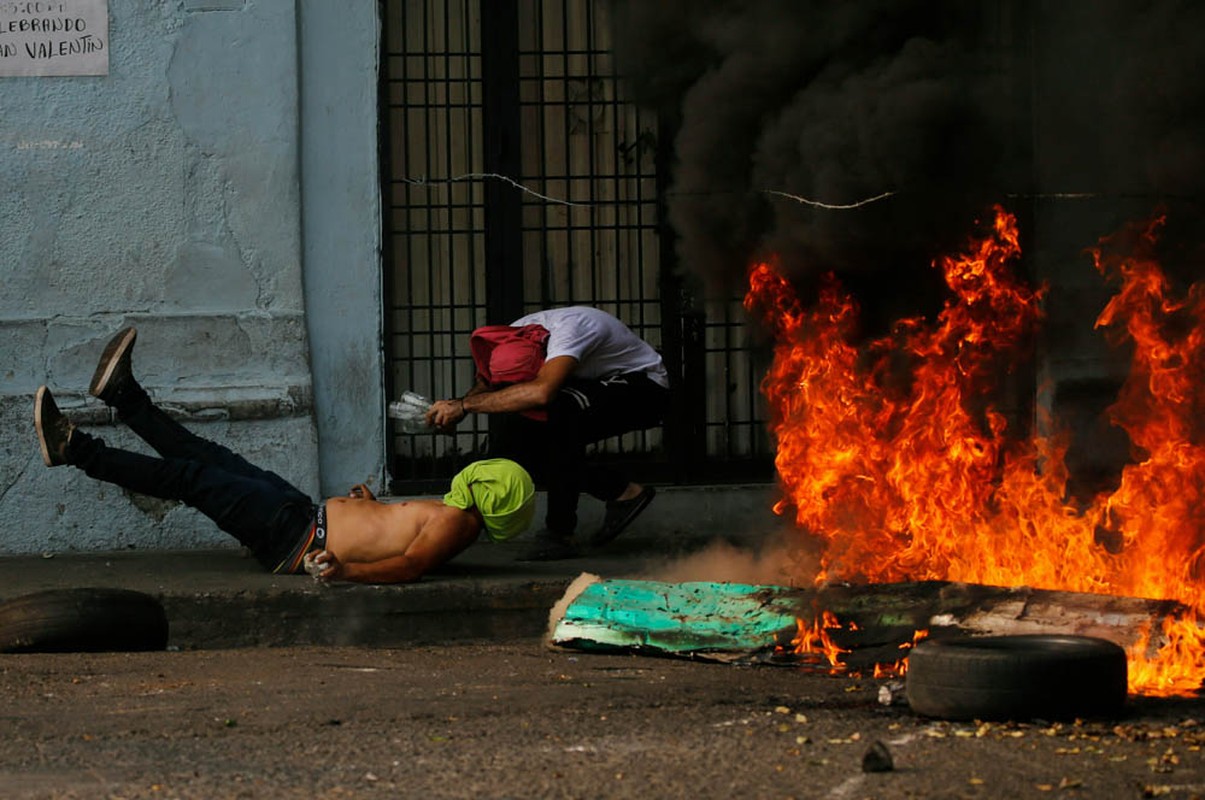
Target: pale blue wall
(166, 194)
(341, 198)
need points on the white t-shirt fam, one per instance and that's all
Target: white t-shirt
(603, 346)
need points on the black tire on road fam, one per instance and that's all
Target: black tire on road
(1033, 676)
(82, 620)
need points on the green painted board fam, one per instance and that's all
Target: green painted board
(677, 617)
(728, 621)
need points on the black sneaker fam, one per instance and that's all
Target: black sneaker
(54, 430)
(620, 514)
(549, 547)
(113, 371)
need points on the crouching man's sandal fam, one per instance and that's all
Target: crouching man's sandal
(620, 514)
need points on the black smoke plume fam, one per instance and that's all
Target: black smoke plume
(949, 105)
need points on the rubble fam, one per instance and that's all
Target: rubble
(877, 759)
(741, 622)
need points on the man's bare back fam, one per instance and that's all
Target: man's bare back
(368, 530)
(374, 542)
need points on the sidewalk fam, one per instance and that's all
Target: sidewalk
(223, 599)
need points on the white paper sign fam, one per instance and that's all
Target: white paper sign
(54, 37)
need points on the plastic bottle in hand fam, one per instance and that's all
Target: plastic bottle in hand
(411, 411)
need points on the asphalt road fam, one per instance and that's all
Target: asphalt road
(522, 721)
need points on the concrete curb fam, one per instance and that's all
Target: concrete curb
(222, 599)
(218, 599)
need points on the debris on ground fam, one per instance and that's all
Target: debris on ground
(877, 759)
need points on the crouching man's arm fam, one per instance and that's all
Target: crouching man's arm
(441, 538)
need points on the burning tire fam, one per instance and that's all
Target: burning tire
(82, 620)
(1017, 677)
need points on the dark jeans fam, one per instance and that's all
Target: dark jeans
(582, 413)
(257, 507)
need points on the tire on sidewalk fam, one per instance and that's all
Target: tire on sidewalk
(82, 620)
(1032, 676)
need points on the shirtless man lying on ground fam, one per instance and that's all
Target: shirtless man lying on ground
(353, 538)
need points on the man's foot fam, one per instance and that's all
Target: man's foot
(620, 514)
(548, 547)
(54, 430)
(113, 371)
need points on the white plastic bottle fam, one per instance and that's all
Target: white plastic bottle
(411, 411)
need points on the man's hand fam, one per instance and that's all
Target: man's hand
(516, 397)
(323, 565)
(361, 492)
(446, 414)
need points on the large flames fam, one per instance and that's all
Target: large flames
(895, 454)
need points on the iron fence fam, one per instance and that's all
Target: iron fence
(517, 178)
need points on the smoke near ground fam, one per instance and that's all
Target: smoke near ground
(777, 563)
(948, 105)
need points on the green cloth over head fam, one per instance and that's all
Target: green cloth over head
(501, 490)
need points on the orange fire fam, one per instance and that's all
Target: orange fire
(895, 455)
(815, 638)
(899, 668)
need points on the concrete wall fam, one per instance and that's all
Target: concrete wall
(341, 193)
(166, 195)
